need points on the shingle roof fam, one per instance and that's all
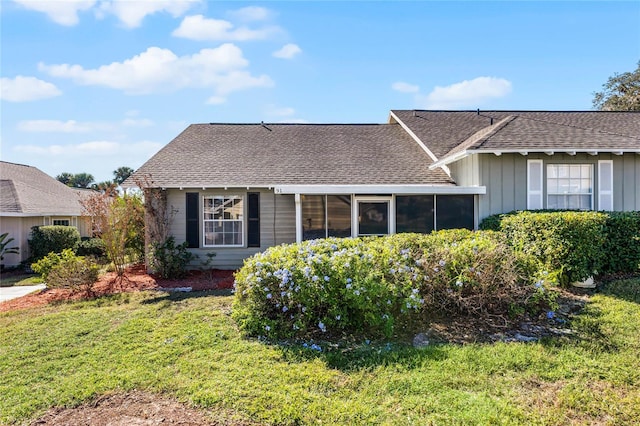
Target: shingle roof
(29, 191)
(449, 132)
(291, 154)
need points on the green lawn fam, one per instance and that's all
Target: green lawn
(10, 280)
(187, 346)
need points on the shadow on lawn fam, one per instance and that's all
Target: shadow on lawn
(625, 289)
(177, 296)
(363, 356)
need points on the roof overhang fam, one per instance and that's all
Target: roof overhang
(378, 189)
(41, 214)
(526, 151)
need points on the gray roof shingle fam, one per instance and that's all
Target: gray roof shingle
(450, 132)
(255, 155)
(29, 191)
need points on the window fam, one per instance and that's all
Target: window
(414, 213)
(61, 222)
(454, 212)
(570, 186)
(373, 217)
(326, 216)
(223, 220)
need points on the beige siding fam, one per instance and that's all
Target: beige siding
(505, 179)
(19, 228)
(277, 225)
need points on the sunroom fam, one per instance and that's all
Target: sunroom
(362, 210)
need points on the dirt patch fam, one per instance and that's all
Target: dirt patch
(136, 279)
(131, 409)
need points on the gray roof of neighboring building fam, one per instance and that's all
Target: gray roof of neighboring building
(449, 132)
(256, 155)
(26, 190)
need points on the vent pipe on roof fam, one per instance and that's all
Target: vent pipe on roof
(264, 125)
(478, 111)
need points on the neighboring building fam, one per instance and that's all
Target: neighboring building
(29, 197)
(237, 189)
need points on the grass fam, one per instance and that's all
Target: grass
(10, 280)
(187, 346)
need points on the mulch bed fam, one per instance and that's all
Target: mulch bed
(137, 279)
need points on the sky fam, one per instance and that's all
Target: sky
(88, 86)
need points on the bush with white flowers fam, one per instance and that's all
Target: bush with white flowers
(378, 286)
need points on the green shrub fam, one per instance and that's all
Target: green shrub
(92, 247)
(570, 243)
(76, 273)
(379, 286)
(170, 260)
(47, 263)
(52, 239)
(622, 247)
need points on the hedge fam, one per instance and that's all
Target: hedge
(381, 286)
(52, 239)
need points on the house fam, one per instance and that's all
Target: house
(237, 189)
(29, 197)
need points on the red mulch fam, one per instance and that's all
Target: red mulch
(137, 279)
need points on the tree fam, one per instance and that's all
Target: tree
(119, 222)
(82, 180)
(121, 174)
(621, 92)
(65, 178)
(106, 186)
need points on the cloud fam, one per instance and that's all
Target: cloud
(70, 126)
(287, 51)
(468, 93)
(24, 89)
(98, 157)
(403, 87)
(251, 13)
(73, 126)
(131, 13)
(160, 70)
(197, 27)
(61, 12)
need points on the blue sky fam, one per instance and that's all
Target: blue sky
(92, 85)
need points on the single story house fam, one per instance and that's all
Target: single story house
(236, 189)
(30, 197)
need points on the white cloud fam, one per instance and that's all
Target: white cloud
(403, 87)
(251, 13)
(287, 51)
(140, 122)
(24, 89)
(61, 12)
(160, 70)
(468, 93)
(197, 27)
(70, 126)
(131, 13)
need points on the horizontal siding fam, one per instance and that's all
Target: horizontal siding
(277, 225)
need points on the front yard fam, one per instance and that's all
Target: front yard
(186, 346)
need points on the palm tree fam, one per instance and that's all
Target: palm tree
(121, 174)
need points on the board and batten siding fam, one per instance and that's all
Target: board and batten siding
(505, 178)
(277, 224)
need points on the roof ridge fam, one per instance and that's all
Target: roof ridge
(581, 127)
(481, 135)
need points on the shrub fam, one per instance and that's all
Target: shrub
(569, 243)
(169, 259)
(52, 239)
(378, 286)
(622, 247)
(76, 273)
(92, 247)
(47, 263)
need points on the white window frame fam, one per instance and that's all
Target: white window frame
(605, 176)
(355, 210)
(591, 178)
(242, 220)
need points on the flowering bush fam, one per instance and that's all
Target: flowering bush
(376, 286)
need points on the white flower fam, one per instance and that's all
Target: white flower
(338, 317)
(266, 327)
(322, 327)
(269, 296)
